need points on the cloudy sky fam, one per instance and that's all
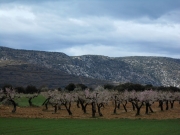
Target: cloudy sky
(114, 28)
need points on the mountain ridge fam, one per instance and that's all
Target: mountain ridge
(153, 70)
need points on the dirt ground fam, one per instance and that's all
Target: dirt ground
(39, 112)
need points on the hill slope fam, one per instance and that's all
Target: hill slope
(144, 70)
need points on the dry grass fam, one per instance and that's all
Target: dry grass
(37, 112)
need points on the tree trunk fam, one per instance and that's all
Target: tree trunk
(99, 109)
(172, 104)
(69, 112)
(46, 103)
(167, 105)
(68, 108)
(85, 107)
(138, 111)
(93, 109)
(55, 108)
(134, 108)
(14, 105)
(161, 105)
(115, 107)
(138, 108)
(150, 109)
(82, 105)
(147, 106)
(118, 105)
(124, 106)
(78, 102)
(30, 102)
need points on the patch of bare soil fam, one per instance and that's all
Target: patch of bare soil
(107, 111)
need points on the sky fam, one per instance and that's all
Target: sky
(114, 28)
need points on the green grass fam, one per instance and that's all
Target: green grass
(37, 101)
(22, 126)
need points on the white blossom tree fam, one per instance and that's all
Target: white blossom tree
(11, 95)
(103, 96)
(66, 98)
(91, 97)
(84, 102)
(97, 97)
(124, 98)
(138, 99)
(163, 97)
(148, 97)
(116, 101)
(52, 98)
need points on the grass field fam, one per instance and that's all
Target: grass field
(22, 126)
(37, 101)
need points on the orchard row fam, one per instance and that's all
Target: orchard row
(97, 98)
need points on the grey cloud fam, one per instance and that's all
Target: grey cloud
(126, 9)
(130, 8)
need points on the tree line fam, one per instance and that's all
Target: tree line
(71, 86)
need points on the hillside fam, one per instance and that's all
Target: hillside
(93, 68)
